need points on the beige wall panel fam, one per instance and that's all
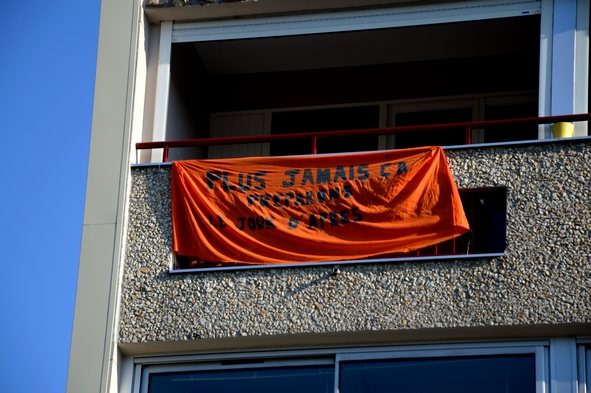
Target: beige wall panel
(93, 332)
(110, 113)
(92, 309)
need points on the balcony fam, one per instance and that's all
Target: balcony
(485, 203)
(547, 234)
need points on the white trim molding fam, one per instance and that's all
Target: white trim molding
(352, 20)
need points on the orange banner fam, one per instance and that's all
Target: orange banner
(271, 210)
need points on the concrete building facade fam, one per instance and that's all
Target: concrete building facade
(515, 318)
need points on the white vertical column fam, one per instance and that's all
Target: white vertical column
(563, 365)
(162, 88)
(563, 57)
(564, 61)
(582, 65)
(545, 88)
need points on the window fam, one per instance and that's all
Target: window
(309, 379)
(503, 108)
(331, 119)
(436, 116)
(381, 114)
(483, 374)
(442, 368)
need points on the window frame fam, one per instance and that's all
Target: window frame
(584, 364)
(387, 114)
(250, 363)
(146, 366)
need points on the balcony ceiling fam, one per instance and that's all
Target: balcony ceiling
(359, 48)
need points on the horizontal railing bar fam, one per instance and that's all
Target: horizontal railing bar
(365, 131)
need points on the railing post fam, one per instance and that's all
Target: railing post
(468, 135)
(314, 142)
(165, 154)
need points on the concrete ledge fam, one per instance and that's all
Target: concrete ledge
(355, 339)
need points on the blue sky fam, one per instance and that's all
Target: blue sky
(47, 67)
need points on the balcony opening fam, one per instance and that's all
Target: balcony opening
(488, 69)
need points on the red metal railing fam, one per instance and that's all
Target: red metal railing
(468, 126)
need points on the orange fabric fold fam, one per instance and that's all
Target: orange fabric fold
(273, 210)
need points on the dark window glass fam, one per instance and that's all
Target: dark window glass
(518, 132)
(486, 374)
(317, 120)
(456, 136)
(486, 211)
(306, 379)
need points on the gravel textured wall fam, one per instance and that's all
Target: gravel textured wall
(544, 278)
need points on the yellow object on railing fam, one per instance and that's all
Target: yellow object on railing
(562, 130)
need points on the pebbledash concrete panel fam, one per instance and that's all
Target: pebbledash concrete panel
(544, 278)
